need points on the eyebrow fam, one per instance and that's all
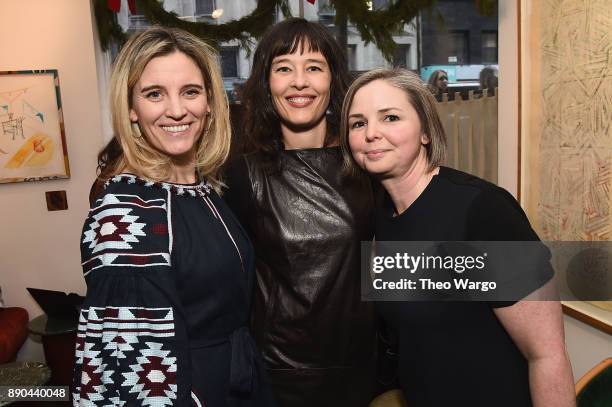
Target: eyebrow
(385, 110)
(190, 85)
(315, 60)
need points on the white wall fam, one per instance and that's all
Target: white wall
(40, 248)
(586, 345)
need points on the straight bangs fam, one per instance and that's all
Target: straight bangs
(300, 42)
(262, 132)
(302, 37)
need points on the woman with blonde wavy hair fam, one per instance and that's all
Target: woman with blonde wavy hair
(168, 268)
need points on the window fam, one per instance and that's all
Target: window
(401, 58)
(137, 21)
(380, 4)
(457, 47)
(326, 9)
(204, 7)
(489, 47)
(229, 61)
(351, 54)
(327, 14)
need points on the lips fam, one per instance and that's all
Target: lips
(176, 128)
(300, 100)
(375, 154)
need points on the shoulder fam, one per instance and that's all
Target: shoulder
(494, 214)
(128, 225)
(481, 190)
(465, 180)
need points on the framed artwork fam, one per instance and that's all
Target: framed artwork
(32, 139)
(566, 138)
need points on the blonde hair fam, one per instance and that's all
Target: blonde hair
(420, 99)
(212, 147)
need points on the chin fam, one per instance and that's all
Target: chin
(377, 170)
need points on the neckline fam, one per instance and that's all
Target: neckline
(415, 203)
(312, 150)
(200, 188)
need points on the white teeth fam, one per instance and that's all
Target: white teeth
(300, 99)
(175, 129)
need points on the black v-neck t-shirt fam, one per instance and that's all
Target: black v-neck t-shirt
(457, 353)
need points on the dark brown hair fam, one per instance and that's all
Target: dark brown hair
(262, 131)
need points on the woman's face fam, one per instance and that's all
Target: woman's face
(442, 81)
(385, 134)
(299, 86)
(170, 104)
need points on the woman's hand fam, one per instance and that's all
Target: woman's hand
(537, 330)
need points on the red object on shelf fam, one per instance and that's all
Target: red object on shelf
(311, 1)
(14, 323)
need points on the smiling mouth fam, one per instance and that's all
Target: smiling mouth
(175, 129)
(300, 101)
(373, 154)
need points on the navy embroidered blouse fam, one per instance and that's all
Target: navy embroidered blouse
(169, 274)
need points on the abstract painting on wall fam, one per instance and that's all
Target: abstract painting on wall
(32, 139)
(566, 139)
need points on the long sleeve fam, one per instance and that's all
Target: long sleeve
(132, 346)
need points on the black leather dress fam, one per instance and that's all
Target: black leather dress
(306, 222)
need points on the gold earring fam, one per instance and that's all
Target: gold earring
(136, 130)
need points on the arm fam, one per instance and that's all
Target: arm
(536, 327)
(131, 340)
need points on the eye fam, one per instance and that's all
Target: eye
(314, 68)
(391, 118)
(357, 124)
(282, 69)
(153, 95)
(192, 92)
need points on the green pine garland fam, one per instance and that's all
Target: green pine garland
(376, 26)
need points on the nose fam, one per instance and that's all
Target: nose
(372, 132)
(175, 108)
(300, 79)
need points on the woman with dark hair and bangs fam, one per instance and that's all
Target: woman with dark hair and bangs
(306, 221)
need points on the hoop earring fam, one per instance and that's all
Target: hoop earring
(136, 130)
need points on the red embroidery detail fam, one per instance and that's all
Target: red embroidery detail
(89, 384)
(156, 377)
(139, 260)
(160, 229)
(121, 228)
(111, 313)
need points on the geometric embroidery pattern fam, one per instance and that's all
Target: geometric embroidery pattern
(196, 190)
(126, 231)
(111, 340)
(153, 377)
(113, 228)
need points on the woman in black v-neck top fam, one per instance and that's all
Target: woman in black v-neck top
(451, 353)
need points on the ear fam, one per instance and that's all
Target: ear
(424, 139)
(133, 116)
